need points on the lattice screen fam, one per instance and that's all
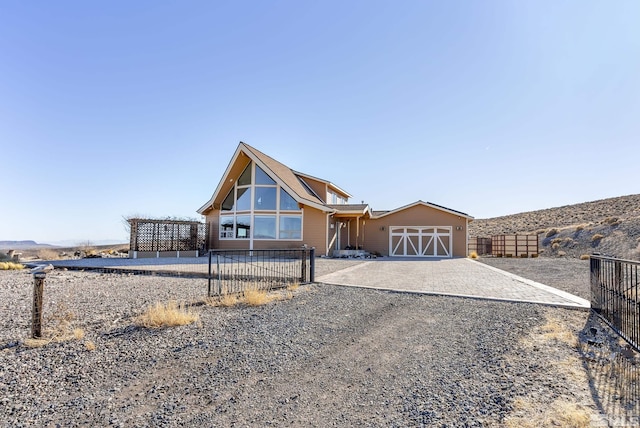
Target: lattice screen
(167, 235)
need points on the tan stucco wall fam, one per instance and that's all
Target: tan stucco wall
(377, 240)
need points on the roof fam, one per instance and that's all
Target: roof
(378, 214)
(360, 209)
(289, 179)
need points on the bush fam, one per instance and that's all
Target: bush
(168, 314)
(473, 255)
(585, 257)
(597, 237)
(551, 232)
(10, 266)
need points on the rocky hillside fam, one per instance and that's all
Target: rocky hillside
(608, 226)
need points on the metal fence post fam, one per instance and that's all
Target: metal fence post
(303, 277)
(312, 264)
(218, 274)
(209, 277)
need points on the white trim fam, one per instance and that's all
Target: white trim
(433, 239)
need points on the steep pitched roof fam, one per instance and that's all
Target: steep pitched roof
(291, 181)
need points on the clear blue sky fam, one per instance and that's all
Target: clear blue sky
(118, 108)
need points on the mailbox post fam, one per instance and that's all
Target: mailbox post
(39, 275)
(36, 316)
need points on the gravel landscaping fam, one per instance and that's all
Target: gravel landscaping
(320, 356)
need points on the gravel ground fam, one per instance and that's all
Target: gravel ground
(328, 356)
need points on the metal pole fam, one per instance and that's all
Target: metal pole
(303, 276)
(312, 264)
(218, 272)
(209, 277)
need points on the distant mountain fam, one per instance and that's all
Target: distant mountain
(22, 245)
(608, 226)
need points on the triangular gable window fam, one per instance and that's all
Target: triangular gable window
(245, 177)
(262, 177)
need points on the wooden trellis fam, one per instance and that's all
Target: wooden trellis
(167, 235)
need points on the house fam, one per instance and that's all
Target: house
(261, 203)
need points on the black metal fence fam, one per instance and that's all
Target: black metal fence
(614, 295)
(235, 271)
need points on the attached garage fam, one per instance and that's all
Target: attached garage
(420, 230)
(420, 241)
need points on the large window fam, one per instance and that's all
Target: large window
(252, 209)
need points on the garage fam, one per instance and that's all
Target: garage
(420, 241)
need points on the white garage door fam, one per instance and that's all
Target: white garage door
(421, 241)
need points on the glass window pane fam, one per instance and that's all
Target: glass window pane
(262, 177)
(227, 204)
(244, 199)
(287, 203)
(265, 198)
(264, 227)
(290, 227)
(243, 226)
(226, 226)
(245, 177)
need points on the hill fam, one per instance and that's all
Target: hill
(608, 226)
(21, 245)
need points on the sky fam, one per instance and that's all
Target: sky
(135, 108)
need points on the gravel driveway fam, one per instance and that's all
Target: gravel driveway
(329, 356)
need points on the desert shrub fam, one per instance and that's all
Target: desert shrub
(168, 314)
(579, 228)
(597, 237)
(555, 246)
(585, 257)
(10, 266)
(48, 254)
(551, 232)
(556, 241)
(562, 253)
(473, 255)
(255, 297)
(611, 221)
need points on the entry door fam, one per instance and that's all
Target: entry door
(421, 241)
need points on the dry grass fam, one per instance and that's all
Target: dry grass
(293, 286)
(228, 300)
(527, 414)
(255, 297)
(47, 254)
(90, 346)
(168, 314)
(473, 255)
(57, 328)
(11, 266)
(555, 330)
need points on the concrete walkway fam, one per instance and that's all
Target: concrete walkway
(451, 277)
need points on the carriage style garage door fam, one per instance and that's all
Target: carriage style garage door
(422, 241)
